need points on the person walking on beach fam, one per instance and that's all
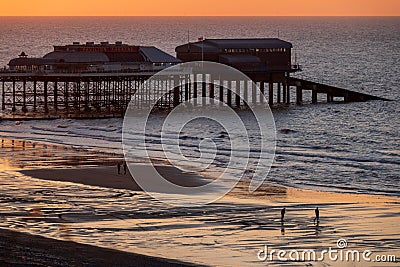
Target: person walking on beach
(125, 167)
(316, 215)
(119, 168)
(283, 211)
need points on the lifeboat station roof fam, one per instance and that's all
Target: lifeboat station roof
(217, 45)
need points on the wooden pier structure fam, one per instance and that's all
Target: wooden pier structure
(108, 94)
(69, 94)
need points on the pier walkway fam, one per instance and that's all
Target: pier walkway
(332, 92)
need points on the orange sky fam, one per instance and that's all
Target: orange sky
(199, 8)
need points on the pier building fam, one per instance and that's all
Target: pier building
(91, 57)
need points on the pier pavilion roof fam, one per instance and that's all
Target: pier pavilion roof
(218, 45)
(250, 43)
(103, 53)
(156, 55)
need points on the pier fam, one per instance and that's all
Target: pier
(99, 80)
(68, 95)
(97, 95)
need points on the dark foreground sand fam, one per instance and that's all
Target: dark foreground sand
(19, 249)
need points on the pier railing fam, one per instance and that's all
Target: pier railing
(5, 72)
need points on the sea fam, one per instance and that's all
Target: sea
(352, 147)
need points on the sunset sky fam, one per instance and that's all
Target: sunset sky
(199, 8)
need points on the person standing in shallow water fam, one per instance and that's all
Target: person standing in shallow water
(283, 211)
(125, 167)
(316, 215)
(119, 168)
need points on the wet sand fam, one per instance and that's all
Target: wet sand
(107, 176)
(95, 206)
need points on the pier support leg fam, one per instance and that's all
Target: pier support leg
(221, 92)
(78, 97)
(314, 96)
(187, 95)
(176, 92)
(329, 98)
(284, 91)
(279, 93)
(45, 96)
(34, 95)
(237, 95)
(13, 97)
(87, 95)
(195, 90)
(107, 96)
(271, 93)
(288, 95)
(262, 91)
(212, 90)
(245, 92)
(299, 95)
(229, 94)
(204, 89)
(55, 96)
(102, 93)
(253, 94)
(24, 109)
(66, 96)
(3, 96)
(167, 84)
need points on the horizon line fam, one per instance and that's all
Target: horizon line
(261, 16)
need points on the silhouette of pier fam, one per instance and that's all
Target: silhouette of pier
(99, 80)
(108, 94)
(68, 94)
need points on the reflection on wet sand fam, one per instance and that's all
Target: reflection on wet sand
(35, 155)
(226, 233)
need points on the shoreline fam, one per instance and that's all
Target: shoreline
(62, 173)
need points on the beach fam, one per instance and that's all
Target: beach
(94, 205)
(19, 249)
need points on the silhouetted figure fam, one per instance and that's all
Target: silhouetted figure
(316, 215)
(119, 168)
(283, 211)
(282, 228)
(125, 167)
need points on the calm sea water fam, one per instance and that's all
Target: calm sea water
(341, 147)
